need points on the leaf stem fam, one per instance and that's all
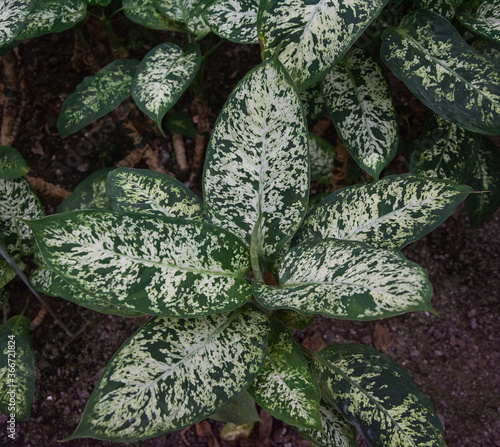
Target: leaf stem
(254, 252)
(211, 50)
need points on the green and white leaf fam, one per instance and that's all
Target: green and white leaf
(313, 102)
(445, 8)
(285, 387)
(96, 96)
(185, 11)
(336, 431)
(485, 177)
(173, 373)
(7, 273)
(98, 2)
(482, 17)
(150, 192)
(389, 213)
(235, 20)
(162, 77)
(89, 194)
(17, 368)
(53, 16)
(12, 164)
(18, 202)
(445, 150)
(178, 123)
(151, 264)
(13, 17)
(312, 36)
(377, 396)
(239, 412)
(347, 280)
(292, 319)
(322, 155)
(358, 98)
(145, 13)
(428, 54)
(257, 163)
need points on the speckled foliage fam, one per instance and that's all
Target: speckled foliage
(13, 16)
(145, 13)
(483, 18)
(445, 8)
(173, 373)
(312, 36)
(428, 54)
(12, 164)
(377, 396)
(185, 11)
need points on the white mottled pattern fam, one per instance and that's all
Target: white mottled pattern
(322, 154)
(144, 12)
(13, 15)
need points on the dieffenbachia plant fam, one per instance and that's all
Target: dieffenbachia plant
(221, 313)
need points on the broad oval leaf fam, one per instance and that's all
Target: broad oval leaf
(145, 13)
(445, 150)
(322, 155)
(359, 101)
(389, 213)
(17, 368)
(154, 265)
(445, 8)
(13, 16)
(96, 96)
(173, 373)
(347, 280)
(377, 396)
(150, 192)
(312, 36)
(240, 411)
(257, 163)
(12, 164)
(185, 11)
(162, 77)
(428, 54)
(285, 387)
(235, 20)
(483, 18)
(53, 16)
(336, 431)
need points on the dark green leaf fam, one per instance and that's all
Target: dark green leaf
(240, 411)
(12, 164)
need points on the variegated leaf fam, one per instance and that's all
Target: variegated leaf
(359, 100)
(485, 177)
(173, 373)
(53, 16)
(154, 265)
(347, 280)
(313, 102)
(390, 213)
(162, 77)
(292, 319)
(285, 387)
(12, 164)
(322, 155)
(89, 194)
(145, 13)
(445, 8)
(336, 431)
(98, 2)
(178, 123)
(445, 150)
(240, 411)
(428, 54)
(235, 20)
(257, 163)
(18, 202)
(13, 17)
(185, 11)
(7, 273)
(377, 396)
(150, 192)
(96, 96)
(482, 17)
(312, 36)
(17, 368)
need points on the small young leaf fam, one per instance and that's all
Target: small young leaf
(445, 150)
(12, 164)
(322, 155)
(89, 194)
(233, 20)
(96, 96)
(173, 373)
(145, 13)
(257, 163)
(347, 280)
(377, 396)
(13, 17)
(53, 16)
(162, 77)
(7, 273)
(155, 265)
(150, 192)
(17, 368)
(483, 18)
(293, 320)
(358, 98)
(428, 54)
(178, 123)
(240, 411)
(336, 431)
(285, 387)
(390, 213)
(313, 35)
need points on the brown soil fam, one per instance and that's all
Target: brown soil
(455, 358)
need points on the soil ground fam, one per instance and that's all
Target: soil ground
(454, 358)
